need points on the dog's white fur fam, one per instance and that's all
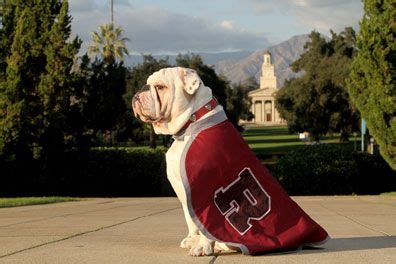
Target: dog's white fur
(174, 95)
(183, 93)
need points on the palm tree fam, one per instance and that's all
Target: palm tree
(108, 43)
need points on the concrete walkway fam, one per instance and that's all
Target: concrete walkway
(148, 230)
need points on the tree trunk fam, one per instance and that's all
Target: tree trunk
(153, 138)
(165, 140)
(344, 137)
(315, 137)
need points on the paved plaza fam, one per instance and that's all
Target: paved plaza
(148, 230)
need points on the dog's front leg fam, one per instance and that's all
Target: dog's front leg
(204, 247)
(193, 232)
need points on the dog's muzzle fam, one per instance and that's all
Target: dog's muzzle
(144, 88)
(139, 104)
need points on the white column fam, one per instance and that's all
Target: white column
(273, 111)
(263, 111)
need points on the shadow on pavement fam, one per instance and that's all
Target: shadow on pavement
(337, 245)
(356, 243)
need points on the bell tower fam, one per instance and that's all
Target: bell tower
(268, 78)
(263, 99)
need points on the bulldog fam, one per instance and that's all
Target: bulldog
(229, 199)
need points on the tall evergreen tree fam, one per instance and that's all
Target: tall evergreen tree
(55, 87)
(34, 97)
(6, 34)
(372, 83)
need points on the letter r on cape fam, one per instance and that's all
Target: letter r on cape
(243, 200)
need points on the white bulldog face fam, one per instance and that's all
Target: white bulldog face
(168, 99)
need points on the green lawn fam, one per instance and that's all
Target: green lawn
(269, 143)
(389, 194)
(21, 201)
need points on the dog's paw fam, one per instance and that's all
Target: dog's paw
(189, 241)
(202, 249)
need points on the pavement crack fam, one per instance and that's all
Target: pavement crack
(63, 215)
(213, 259)
(88, 232)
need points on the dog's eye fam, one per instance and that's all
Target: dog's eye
(159, 87)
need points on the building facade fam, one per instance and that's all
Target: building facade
(263, 99)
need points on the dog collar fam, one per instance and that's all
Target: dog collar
(200, 113)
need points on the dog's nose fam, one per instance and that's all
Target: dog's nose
(144, 88)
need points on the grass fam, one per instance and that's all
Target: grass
(266, 141)
(389, 194)
(270, 143)
(22, 201)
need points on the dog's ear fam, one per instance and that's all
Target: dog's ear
(190, 80)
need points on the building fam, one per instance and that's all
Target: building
(263, 99)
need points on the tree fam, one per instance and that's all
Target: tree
(238, 104)
(108, 43)
(104, 88)
(372, 82)
(344, 117)
(6, 35)
(250, 84)
(318, 101)
(106, 83)
(56, 85)
(34, 94)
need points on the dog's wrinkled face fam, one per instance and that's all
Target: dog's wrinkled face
(166, 96)
(152, 104)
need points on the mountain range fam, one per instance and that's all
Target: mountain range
(283, 54)
(239, 66)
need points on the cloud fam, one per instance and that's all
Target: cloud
(82, 6)
(321, 15)
(157, 30)
(228, 24)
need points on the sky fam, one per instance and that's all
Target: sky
(178, 26)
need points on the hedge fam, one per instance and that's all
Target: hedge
(325, 169)
(123, 172)
(330, 169)
(102, 172)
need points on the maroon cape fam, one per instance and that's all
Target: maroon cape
(234, 199)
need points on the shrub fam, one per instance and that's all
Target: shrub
(101, 172)
(121, 172)
(329, 169)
